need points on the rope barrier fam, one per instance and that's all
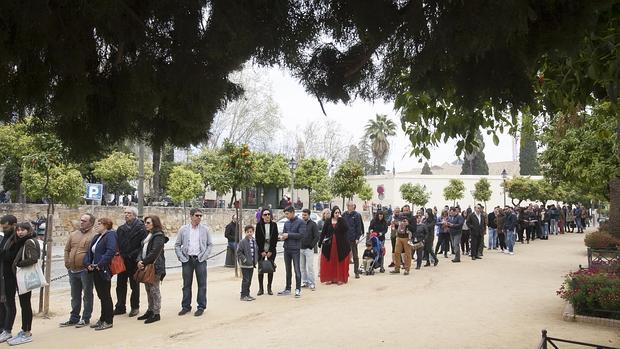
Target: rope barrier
(174, 267)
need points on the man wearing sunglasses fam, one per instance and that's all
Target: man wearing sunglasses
(193, 246)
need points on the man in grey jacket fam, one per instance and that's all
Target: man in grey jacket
(193, 246)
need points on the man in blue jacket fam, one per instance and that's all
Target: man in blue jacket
(354, 221)
(294, 229)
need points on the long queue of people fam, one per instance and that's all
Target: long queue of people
(134, 252)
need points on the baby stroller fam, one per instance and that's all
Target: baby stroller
(379, 252)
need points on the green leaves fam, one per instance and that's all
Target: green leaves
(415, 194)
(65, 184)
(184, 184)
(482, 190)
(271, 170)
(365, 192)
(455, 190)
(348, 180)
(116, 170)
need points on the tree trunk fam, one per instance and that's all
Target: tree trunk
(156, 167)
(309, 199)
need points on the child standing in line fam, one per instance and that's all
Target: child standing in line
(247, 254)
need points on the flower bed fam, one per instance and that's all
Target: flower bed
(593, 293)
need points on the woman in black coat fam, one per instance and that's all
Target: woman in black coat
(266, 240)
(153, 253)
(335, 249)
(380, 226)
(431, 220)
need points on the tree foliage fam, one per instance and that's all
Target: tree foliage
(365, 192)
(378, 131)
(415, 194)
(579, 153)
(116, 170)
(322, 192)
(482, 190)
(348, 180)
(65, 184)
(426, 169)
(455, 190)
(310, 173)
(475, 162)
(528, 153)
(520, 189)
(271, 170)
(184, 184)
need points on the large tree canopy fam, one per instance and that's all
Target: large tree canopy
(158, 70)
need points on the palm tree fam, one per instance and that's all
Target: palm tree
(378, 131)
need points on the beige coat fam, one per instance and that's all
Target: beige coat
(76, 248)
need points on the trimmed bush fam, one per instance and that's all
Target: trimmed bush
(601, 240)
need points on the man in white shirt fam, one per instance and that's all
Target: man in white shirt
(193, 246)
(477, 227)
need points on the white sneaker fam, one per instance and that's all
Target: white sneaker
(297, 293)
(5, 335)
(511, 253)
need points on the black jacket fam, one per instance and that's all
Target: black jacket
(273, 238)
(231, 231)
(476, 227)
(492, 220)
(311, 236)
(130, 237)
(155, 253)
(379, 226)
(340, 233)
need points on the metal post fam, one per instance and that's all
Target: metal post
(49, 224)
(141, 180)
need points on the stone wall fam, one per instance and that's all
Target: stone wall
(66, 219)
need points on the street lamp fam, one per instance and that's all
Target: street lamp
(504, 176)
(292, 165)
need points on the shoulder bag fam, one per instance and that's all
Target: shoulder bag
(117, 265)
(30, 277)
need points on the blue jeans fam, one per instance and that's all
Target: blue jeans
(492, 238)
(200, 269)
(81, 288)
(292, 256)
(510, 239)
(553, 227)
(546, 230)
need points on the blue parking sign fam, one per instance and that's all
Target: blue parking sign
(94, 191)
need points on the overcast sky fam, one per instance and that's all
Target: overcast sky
(298, 108)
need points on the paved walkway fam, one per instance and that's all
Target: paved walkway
(500, 301)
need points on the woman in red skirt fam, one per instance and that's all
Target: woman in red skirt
(335, 250)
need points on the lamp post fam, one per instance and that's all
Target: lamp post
(292, 165)
(504, 176)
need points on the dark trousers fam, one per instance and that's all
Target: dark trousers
(121, 288)
(24, 304)
(356, 259)
(294, 257)
(246, 282)
(443, 242)
(465, 241)
(520, 234)
(9, 309)
(502, 240)
(475, 244)
(191, 267)
(530, 231)
(103, 288)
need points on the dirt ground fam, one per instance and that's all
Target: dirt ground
(500, 301)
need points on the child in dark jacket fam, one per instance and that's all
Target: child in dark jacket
(247, 254)
(369, 258)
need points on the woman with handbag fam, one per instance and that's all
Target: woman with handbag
(24, 250)
(266, 239)
(380, 226)
(335, 249)
(152, 256)
(102, 248)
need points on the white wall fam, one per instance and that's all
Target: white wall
(435, 184)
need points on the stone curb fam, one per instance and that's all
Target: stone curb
(569, 315)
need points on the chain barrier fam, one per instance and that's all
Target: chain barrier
(174, 267)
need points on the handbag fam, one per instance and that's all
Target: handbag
(416, 245)
(117, 265)
(30, 277)
(146, 275)
(265, 266)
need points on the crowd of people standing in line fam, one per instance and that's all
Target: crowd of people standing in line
(90, 250)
